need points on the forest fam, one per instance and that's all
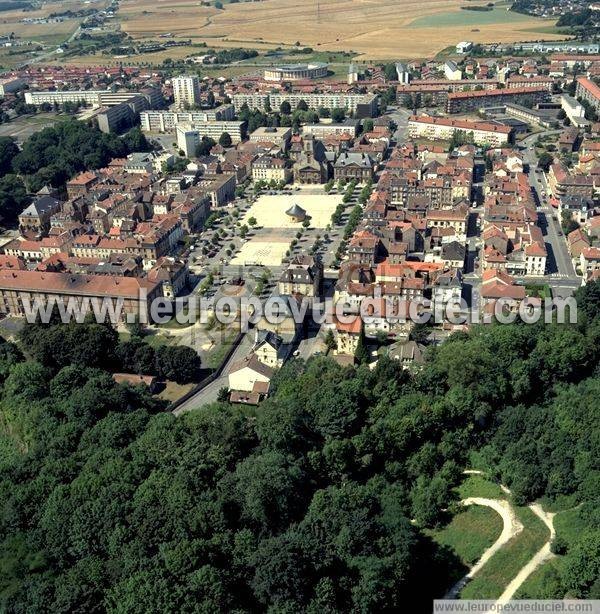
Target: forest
(317, 501)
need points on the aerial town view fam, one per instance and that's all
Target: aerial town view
(299, 306)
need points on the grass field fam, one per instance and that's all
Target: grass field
(174, 391)
(373, 29)
(21, 128)
(478, 486)
(495, 575)
(49, 33)
(470, 533)
(540, 583)
(474, 19)
(215, 356)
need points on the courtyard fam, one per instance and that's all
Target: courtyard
(270, 210)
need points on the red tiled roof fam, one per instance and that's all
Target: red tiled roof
(458, 123)
(67, 283)
(590, 86)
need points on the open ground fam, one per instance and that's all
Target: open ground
(262, 252)
(373, 29)
(10, 21)
(269, 210)
(276, 230)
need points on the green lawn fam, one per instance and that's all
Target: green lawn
(476, 485)
(215, 357)
(538, 290)
(550, 30)
(470, 18)
(174, 391)
(158, 339)
(470, 533)
(174, 324)
(495, 575)
(542, 583)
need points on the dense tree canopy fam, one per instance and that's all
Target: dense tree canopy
(13, 199)
(55, 154)
(304, 504)
(8, 150)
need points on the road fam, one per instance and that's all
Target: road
(209, 393)
(400, 117)
(52, 52)
(561, 274)
(560, 270)
(540, 557)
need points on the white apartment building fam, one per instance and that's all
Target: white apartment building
(87, 97)
(186, 90)
(189, 135)
(484, 133)
(452, 71)
(322, 131)
(364, 105)
(268, 168)
(166, 121)
(403, 73)
(574, 110)
(278, 135)
(94, 98)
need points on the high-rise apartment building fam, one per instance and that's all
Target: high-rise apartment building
(186, 91)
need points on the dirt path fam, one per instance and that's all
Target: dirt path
(539, 557)
(511, 527)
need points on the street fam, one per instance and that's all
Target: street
(210, 393)
(560, 270)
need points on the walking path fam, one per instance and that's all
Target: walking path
(511, 527)
(540, 557)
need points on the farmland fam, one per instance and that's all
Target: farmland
(51, 33)
(372, 29)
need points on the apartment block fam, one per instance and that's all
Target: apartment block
(189, 135)
(362, 105)
(165, 121)
(186, 91)
(484, 133)
(462, 102)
